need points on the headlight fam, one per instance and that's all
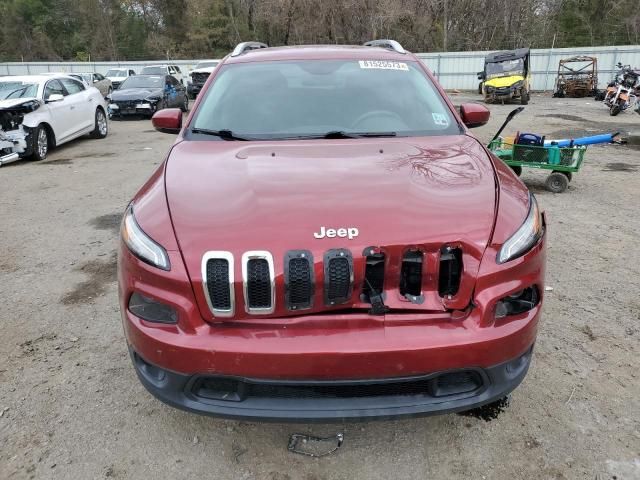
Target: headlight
(152, 99)
(525, 237)
(141, 245)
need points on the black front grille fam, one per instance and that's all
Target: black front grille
(199, 78)
(450, 271)
(411, 274)
(373, 275)
(435, 385)
(338, 278)
(127, 104)
(258, 283)
(299, 280)
(218, 283)
(338, 274)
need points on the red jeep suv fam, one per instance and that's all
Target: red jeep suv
(326, 241)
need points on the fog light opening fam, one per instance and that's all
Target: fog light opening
(151, 372)
(518, 302)
(151, 310)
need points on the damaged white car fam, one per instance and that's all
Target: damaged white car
(38, 112)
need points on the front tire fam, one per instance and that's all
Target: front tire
(101, 126)
(185, 105)
(614, 110)
(524, 97)
(517, 169)
(40, 143)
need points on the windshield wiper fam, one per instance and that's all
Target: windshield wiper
(223, 134)
(337, 134)
(342, 134)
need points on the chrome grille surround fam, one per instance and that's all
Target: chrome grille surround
(262, 255)
(213, 255)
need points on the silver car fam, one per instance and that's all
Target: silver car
(95, 80)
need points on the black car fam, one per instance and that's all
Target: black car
(146, 94)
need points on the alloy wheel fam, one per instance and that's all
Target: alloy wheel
(43, 143)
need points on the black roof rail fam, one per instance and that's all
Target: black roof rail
(244, 47)
(388, 44)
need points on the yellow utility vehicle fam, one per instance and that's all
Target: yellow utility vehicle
(506, 76)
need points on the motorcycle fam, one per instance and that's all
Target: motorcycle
(621, 94)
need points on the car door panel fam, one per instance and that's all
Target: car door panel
(81, 103)
(60, 113)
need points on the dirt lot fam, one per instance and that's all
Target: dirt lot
(73, 408)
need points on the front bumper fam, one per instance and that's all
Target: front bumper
(275, 400)
(331, 349)
(137, 108)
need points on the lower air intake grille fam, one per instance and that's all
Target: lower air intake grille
(338, 276)
(218, 283)
(299, 280)
(258, 283)
(461, 382)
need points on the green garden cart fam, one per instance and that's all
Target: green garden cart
(523, 151)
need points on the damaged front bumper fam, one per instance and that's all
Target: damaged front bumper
(13, 145)
(14, 136)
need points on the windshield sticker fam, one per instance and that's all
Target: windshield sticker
(440, 119)
(383, 65)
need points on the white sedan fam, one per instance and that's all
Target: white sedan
(38, 112)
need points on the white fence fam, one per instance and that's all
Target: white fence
(453, 69)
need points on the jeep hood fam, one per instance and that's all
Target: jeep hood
(420, 192)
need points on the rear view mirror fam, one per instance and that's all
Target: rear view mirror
(474, 115)
(168, 120)
(55, 97)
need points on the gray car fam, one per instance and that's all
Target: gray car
(95, 80)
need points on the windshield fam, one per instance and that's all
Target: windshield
(143, 81)
(15, 89)
(271, 100)
(206, 64)
(116, 73)
(505, 68)
(154, 70)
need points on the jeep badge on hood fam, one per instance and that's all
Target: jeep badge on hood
(350, 233)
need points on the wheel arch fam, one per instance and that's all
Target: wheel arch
(50, 133)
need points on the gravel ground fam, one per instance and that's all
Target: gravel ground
(72, 407)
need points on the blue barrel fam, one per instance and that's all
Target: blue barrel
(592, 140)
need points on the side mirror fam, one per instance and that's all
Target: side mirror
(55, 97)
(474, 115)
(95, 80)
(480, 75)
(168, 120)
